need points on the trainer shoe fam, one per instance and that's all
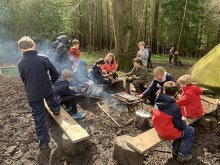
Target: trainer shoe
(78, 115)
(175, 153)
(183, 159)
(56, 113)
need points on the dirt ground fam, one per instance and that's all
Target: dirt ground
(19, 145)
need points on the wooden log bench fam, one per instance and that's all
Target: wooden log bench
(69, 126)
(150, 138)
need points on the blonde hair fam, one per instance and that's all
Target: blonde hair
(141, 43)
(26, 43)
(66, 74)
(185, 79)
(159, 70)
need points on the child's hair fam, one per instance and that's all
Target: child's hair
(113, 57)
(160, 70)
(138, 60)
(26, 43)
(185, 79)
(170, 88)
(75, 42)
(100, 61)
(66, 74)
(141, 43)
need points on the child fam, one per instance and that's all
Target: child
(137, 76)
(97, 76)
(143, 53)
(74, 52)
(160, 77)
(171, 53)
(189, 102)
(167, 121)
(34, 68)
(65, 95)
(110, 66)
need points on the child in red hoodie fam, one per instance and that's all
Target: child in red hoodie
(190, 101)
(74, 52)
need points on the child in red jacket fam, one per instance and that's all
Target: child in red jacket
(74, 52)
(190, 101)
(167, 121)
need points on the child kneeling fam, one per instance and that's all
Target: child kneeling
(167, 121)
(65, 95)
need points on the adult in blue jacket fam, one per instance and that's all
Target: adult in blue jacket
(156, 86)
(34, 68)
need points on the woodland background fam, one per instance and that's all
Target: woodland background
(193, 26)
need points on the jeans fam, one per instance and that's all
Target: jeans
(38, 113)
(185, 142)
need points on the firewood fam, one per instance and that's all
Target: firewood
(108, 115)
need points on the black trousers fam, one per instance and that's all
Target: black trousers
(70, 103)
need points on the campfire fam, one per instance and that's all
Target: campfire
(121, 108)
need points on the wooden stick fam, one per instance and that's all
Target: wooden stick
(129, 121)
(108, 115)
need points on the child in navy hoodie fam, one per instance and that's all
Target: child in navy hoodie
(65, 95)
(167, 121)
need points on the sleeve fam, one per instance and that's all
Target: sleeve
(151, 88)
(131, 72)
(184, 99)
(177, 120)
(53, 72)
(20, 73)
(114, 66)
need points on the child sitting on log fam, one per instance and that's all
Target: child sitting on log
(167, 121)
(65, 95)
(137, 76)
(190, 101)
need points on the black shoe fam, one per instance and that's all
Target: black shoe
(183, 159)
(56, 113)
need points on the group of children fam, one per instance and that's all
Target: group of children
(169, 112)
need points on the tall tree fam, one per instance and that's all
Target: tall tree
(125, 32)
(155, 26)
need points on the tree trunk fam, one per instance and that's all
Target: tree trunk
(125, 32)
(155, 26)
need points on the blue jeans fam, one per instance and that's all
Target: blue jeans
(184, 143)
(38, 113)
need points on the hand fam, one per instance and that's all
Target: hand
(125, 74)
(129, 78)
(140, 96)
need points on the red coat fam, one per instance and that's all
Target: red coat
(190, 102)
(163, 124)
(110, 68)
(74, 53)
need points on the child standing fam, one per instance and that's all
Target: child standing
(143, 53)
(167, 121)
(190, 101)
(65, 95)
(34, 68)
(74, 52)
(137, 76)
(149, 64)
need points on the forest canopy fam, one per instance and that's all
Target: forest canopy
(157, 22)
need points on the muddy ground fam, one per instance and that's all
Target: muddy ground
(19, 144)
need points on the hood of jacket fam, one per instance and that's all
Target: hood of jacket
(193, 88)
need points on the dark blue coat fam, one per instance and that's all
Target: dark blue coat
(156, 85)
(61, 88)
(34, 69)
